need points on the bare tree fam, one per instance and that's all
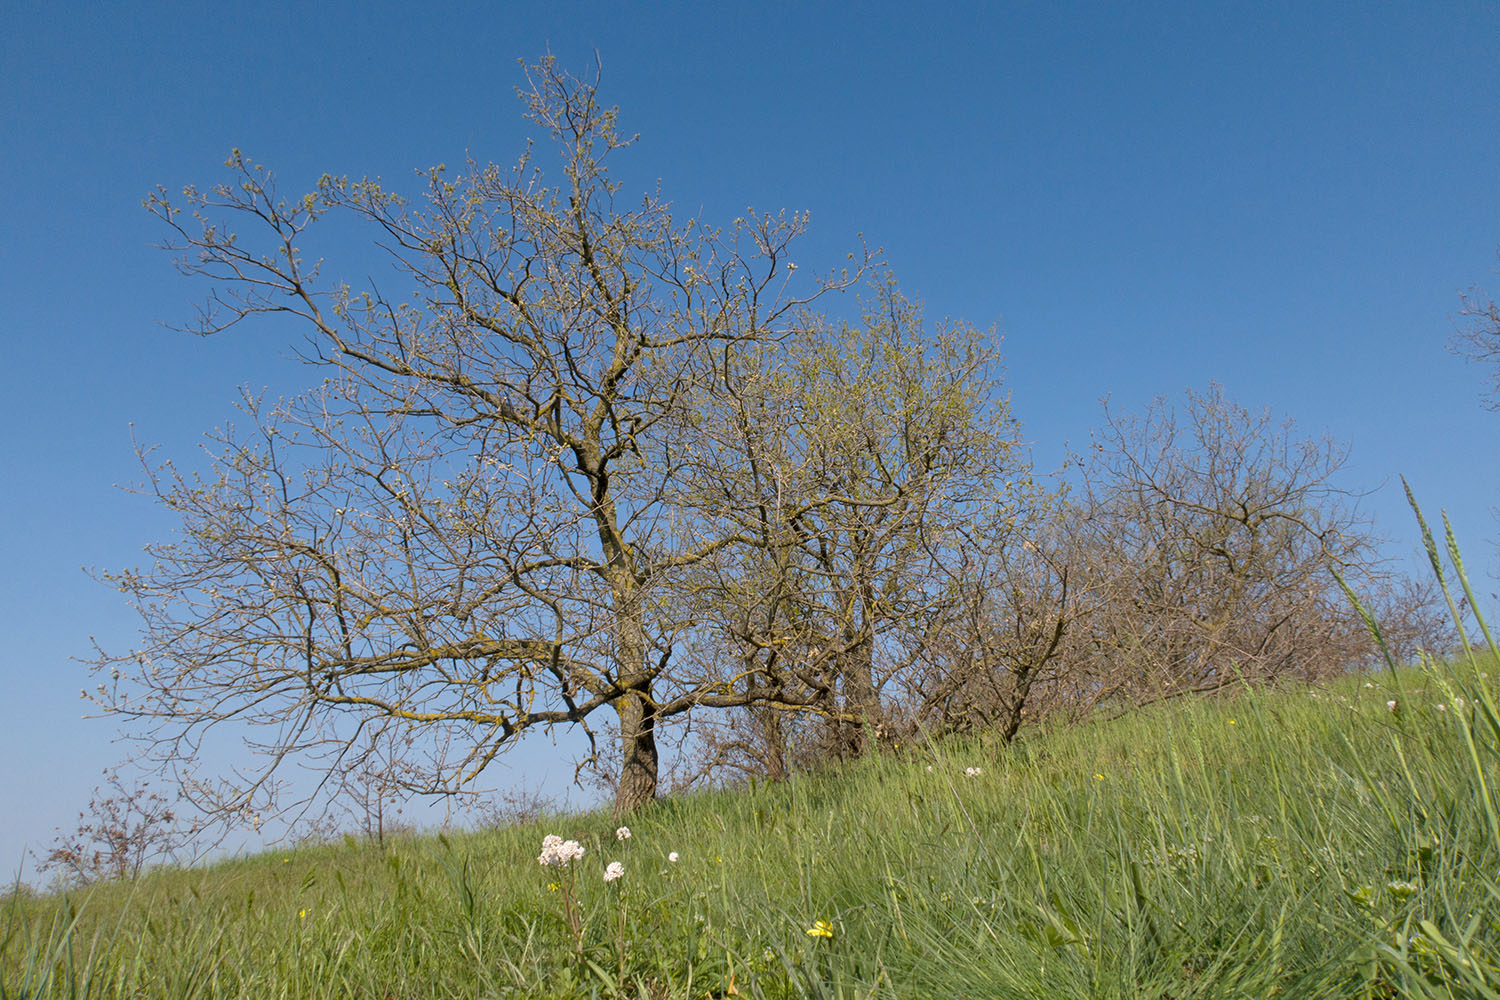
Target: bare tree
(515, 807)
(1195, 554)
(852, 461)
(1001, 654)
(380, 783)
(123, 830)
(1212, 537)
(462, 533)
(1479, 341)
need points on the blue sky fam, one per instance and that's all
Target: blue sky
(1285, 198)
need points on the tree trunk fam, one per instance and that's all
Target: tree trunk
(773, 742)
(636, 708)
(861, 702)
(638, 764)
(1015, 711)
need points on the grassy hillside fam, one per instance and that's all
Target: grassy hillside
(1306, 843)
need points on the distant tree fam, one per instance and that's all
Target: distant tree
(515, 807)
(1211, 536)
(1480, 340)
(463, 534)
(123, 830)
(1195, 551)
(383, 779)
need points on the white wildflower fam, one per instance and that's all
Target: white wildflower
(613, 871)
(1442, 708)
(1390, 705)
(972, 772)
(672, 857)
(556, 852)
(623, 833)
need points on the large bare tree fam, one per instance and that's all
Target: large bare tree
(461, 535)
(852, 461)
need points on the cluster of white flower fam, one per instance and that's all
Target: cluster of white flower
(556, 852)
(1390, 706)
(972, 772)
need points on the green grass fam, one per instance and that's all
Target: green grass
(1242, 847)
(1300, 843)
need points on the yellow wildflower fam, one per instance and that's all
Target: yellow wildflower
(820, 928)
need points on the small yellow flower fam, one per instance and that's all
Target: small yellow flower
(1231, 722)
(554, 887)
(301, 914)
(286, 861)
(1098, 776)
(821, 929)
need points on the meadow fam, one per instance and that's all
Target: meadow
(1339, 840)
(1306, 842)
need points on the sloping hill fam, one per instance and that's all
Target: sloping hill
(1302, 843)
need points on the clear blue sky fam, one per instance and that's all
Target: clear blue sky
(1286, 198)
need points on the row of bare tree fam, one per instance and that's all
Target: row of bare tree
(1193, 552)
(602, 464)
